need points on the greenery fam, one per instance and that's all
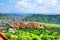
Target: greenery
(33, 34)
(49, 33)
(50, 22)
(7, 25)
(5, 16)
(35, 17)
(44, 18)
(50, 26)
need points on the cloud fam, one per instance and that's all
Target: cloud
(47, 3)
(40, 1)
(57, 9)
(38, 6)
(25, 6)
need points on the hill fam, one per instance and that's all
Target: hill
(55, 19)
(44, 18)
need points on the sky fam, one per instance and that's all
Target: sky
(30, 6)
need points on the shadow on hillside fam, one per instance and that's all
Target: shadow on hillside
(53, 29)
(46, 28)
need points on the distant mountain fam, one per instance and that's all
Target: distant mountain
(18, 14)
(44, 18)
(36, 17)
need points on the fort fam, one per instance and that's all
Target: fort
(27, 25)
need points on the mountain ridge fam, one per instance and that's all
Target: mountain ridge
(38, 17)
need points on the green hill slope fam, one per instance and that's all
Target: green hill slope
(44, 18)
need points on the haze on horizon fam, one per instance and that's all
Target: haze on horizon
(30, 6)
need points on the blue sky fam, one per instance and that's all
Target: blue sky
(30, 6)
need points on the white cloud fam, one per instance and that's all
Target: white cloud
(25, 5)
(40, 1)
(48, 6)
(47, 3)
(57, 9)
(40, 6)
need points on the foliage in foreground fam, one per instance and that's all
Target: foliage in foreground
(33, 34)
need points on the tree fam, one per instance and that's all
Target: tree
(7, 25)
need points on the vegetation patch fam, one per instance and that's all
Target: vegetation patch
(33, 34)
